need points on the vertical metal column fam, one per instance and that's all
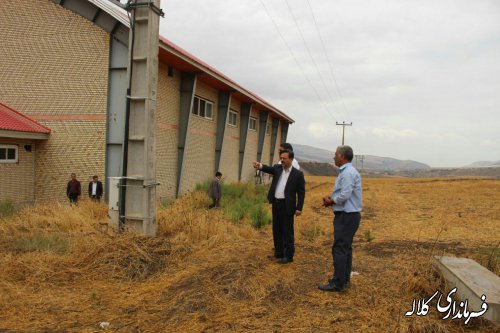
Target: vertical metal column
(117, 104)
(140, 180)
(263, 118)
(223, 109)
(284, 131)
(188, 87)
(274, 136)
(246, 109)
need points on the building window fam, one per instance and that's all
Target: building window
(8, 154)
(268, 128)
(232, 118)
(252, 124)
(202, 108)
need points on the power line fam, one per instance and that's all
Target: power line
(327, 58)
(294, 58)
(309, 51)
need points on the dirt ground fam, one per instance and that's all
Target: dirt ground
(203, 273)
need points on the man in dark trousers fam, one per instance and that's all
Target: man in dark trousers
(95, 189)
(346, 203)
(74, 189)
(287, 195)
(215, 191)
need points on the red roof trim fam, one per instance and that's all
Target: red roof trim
(12, 120)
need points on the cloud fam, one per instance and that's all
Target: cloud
(418, 79)
(391, 133)
(318, 130)
(489, 143)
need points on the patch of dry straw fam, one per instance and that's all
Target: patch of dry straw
(64, 271)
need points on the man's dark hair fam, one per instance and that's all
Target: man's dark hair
(217, 174)
(347, 152)
(290, 153)
(286, 146)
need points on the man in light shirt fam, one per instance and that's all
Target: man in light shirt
(95, 189)
(346, 203)
(287, 195)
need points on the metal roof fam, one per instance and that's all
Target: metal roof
(11, 120)
(118, 13)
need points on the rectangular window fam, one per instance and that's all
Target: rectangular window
(202, 108)
(232, 118)
(208, 110)
(252, 124)
(268, 128)
(8, 154)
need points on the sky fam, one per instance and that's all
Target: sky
(419, 80)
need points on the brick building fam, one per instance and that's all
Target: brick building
(64, 67)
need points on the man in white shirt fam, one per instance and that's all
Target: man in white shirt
(286, 194)
(95, 189)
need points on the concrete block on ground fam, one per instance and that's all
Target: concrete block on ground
(472, 281)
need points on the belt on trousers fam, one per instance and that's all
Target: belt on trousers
(342, 212)
(279, 200)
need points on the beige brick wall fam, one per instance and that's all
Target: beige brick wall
(199, 154)
(229, 164)
(17, 179)
(167, 132)
(56, 66)
(76, 146)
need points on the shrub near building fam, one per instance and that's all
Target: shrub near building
(243, 200)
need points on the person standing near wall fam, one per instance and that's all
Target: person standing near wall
(74, 189)
(215, 191)
(95, 189)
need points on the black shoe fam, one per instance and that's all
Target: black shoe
(334, 280)
(331, 286)
(274, 256)
(284, 260)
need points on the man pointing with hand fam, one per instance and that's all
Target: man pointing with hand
(287, 195)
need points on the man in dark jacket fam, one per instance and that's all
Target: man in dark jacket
(287, 195)
(95, 189)
(73, 189)
(215, 191)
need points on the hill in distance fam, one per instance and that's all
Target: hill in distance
(305, 153)
(319, 162)
(483, 164)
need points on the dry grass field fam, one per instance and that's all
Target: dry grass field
(62, 271)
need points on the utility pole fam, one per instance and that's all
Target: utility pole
(361, 159)
(138, 188)
(343, 128)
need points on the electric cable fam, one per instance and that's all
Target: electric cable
(295, 59)
(328, 58)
